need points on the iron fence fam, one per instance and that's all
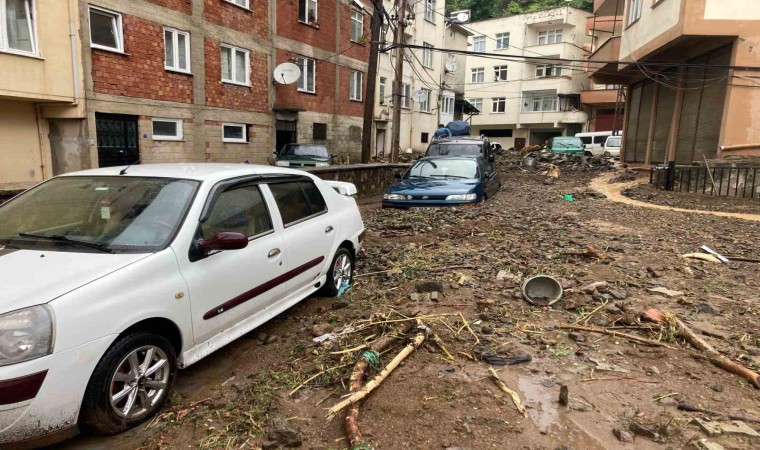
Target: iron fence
(722, 181)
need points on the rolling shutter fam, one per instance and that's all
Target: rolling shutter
(666, 103)
(631, 128)
(692, 98)
(711, 107)
(645, 114)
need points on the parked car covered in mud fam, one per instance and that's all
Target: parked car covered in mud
(114, 278)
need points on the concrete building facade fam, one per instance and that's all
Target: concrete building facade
(41, 92)
(677, 110)
(527, 102)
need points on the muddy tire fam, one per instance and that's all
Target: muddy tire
(131, 382)
(340, 272)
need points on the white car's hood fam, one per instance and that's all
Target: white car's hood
(33, 277)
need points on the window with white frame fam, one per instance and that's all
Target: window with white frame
(448, 105)
(406, 94)
(357, 25)
(548, 70)
(307, 11)
(234, 132)
(634, 13)
(502, 41)
(355, 86)
(381, 90)
(499, 73)
(430, 10)
(427, 55)
(425, 102)
(17, 27)
(306, 83)
(499, 105)
(549, 37)
(106, 31)
(477, 103)
(176, 50)
(242, 3)
(479, 44)
(478, 75)
(235, 65)
(540, 101)
(167, 129)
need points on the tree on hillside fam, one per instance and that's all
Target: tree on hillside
(486, 9)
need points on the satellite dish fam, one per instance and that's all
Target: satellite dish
(451, 65)
(286, 73)
(420, 96)
(463, 17)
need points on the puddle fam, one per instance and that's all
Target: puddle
(545, 412)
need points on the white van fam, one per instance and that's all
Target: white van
(612, 146)
(594, 142)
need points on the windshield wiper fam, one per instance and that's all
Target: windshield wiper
(59, 238)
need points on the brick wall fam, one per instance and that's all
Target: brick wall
(140, 73)
(359, 49)
(255, 151)
(226, 14)
(349, 107)
(321, 36)
(231, 96)
(184, 6)
(323, 100)
(152, 152)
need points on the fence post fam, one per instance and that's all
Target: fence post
(670, 175)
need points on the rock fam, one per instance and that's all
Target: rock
(704, 444)
(429, 286)
(339, 303)
(612, 309)
(577, 337)
(630, 318)
(666, 292)
(501, 276)
(668, 401)
(282, 435)
(717, 388)
(622, 435)
(618, 294)
(706, 308)
(415, 297)
(735, 427)
(549, 181)
(486, 329)
(434, 296)
(653, 370)
(262, 337)
(321, 328)
(564, 395)
(591, 288)
(271, 339)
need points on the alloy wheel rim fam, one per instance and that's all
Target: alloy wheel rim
(139, 382)
(342, 271)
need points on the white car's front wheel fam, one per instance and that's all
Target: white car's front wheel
(130, 383)
(341, 273)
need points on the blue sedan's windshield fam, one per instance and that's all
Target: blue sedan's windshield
(445, 168)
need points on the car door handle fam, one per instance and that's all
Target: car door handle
(274, 252)
(329, 229)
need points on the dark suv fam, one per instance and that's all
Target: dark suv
(462, 146)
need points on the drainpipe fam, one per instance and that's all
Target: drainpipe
(74, 59)
(40, 140)
(739, 147)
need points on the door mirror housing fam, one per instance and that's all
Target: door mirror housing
(223, 240)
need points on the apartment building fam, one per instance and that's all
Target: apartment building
(604, 103)
(677, 110)
(41, 109)
(527, 102)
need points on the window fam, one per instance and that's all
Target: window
(106, 30)
(500, 73)
(478, 75)
(502, 41)
(176, 50)
(240, 210)
(549, 37)
(381, 90)
(234, 65)
(448, 105)
(306, 81)
(307, 11)
(499, 105)
(548, 70)
(430, 10)
(167, 129)
(477, 103)
(479, 44)
(319, 131)
(425, 102)
(297, 200)
(355, 86)
(18, 30)
(424, 138)
(240, 3)
(427, 55)
(234, 132)
(406, 93)
(540, 101)
(357, 26)
(635, 12)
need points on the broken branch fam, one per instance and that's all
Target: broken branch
(630, 337)
(503, 386)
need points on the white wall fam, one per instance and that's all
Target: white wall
(732, 10)
(653, 22)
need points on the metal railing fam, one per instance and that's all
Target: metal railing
(722, 181)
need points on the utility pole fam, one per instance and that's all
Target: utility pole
(369, 101)
(398, 39)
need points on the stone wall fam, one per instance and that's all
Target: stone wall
(370, 179)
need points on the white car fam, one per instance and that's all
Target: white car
(111, 279)
(612, 146)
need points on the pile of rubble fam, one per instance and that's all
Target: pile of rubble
(542, 161)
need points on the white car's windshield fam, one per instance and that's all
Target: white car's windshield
(613, 142)
(445, 168)
(109, 214)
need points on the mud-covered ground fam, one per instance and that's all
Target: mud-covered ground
(648, 193)
(240, 397)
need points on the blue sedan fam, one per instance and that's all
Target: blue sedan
(443, 181)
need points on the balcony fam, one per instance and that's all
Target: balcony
(599, 97)
(609, 7)
(556, 118)
(547, 17)
(600, 69)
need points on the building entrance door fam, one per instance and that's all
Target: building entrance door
(118, 140)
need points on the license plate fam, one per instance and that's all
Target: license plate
(422, 208)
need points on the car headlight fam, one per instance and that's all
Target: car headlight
(25, 334)
(462, 197)
(394, 197)
(283, 163)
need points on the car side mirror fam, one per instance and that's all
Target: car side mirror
(397, 175)
(223, 240)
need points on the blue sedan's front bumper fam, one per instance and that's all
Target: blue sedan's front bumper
(406, 204)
